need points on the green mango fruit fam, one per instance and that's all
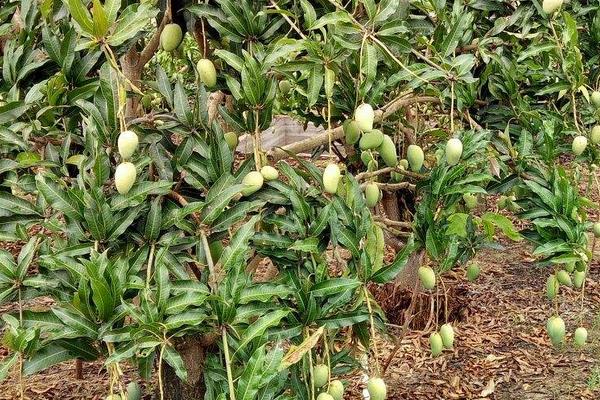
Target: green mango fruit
(552, 287)
(125, 175)
(351, 131)
(372, 194)
(595, 98)
(366, 157)
(170, 37)
(371, 140)
(387, 151)
(285, 86)
(127, 143)
(377, 389)
(336, 389)
(427, 277)
(253, 181)
(473, 271)
(403, 163)
(578, 279)
(447, 335)
(364, 116)
(595, 135)
(470, 200)
(436, 344)
(324, 396)
(269, 173)
(134, 392)
(564, 278)
(596, 229)
(550, 6)
(331, 178)
(556, 329)
(321, 375)
(415, 157)
(454, 149)
(579, 144)
(207, 72)
(581, 335)
(232, 140)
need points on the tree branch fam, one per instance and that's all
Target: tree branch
(154, 42)
(338, 133)
(367, 175)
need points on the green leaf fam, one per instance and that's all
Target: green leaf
(334, 286)
(58, 198)
(139, 192)
(389, 272)
(7, 364)
(100, 19)
(172, 357)
(264, 292)
(213, 209)
(457, 225)
(131, 23)
(154, 220)
(259, 327)
(315, 82)
(503, 223)
(333, 18)
(45, 358)
(16, 205)
(80, 14)
(231, 59)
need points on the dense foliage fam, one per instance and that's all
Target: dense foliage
(145, 245)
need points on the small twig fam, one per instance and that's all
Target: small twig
(390, 187)
(289, 21)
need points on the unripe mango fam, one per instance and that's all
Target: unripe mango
(387, 151)
(403, 163)
(470, 200)
(447, 335)
(454, 149)
(579, 144)
(371, 139)
(556, 329)
(324, 396)
(351, 131)
(127, 143)
(336, 389)
(550, 6)
(596, 229)
(570, 267)
(364, 116)
(321, 375)
(331, 178)
(269, 173)
(578, 279)
(285, 86)
(595, 98)
(564, 278)
(366, 157)
(207, 72)
(427, 277)
(436, 344)
(232, 140)
(170, 37)
(253, 181)
(552, 287)
(371, 194)
(133, 391)
(377, 389)
(595, 135)
(415, 157)
(125, 175)
(581, 335)
(473, 271)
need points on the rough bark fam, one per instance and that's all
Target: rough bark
(193, 351)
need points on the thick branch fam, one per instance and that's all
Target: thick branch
(391, 222)
(367, 175)
(338, 133)
(393, 186)
(154, 42)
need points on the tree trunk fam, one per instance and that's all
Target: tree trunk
(193, 351)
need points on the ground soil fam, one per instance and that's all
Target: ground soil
(501, 349)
